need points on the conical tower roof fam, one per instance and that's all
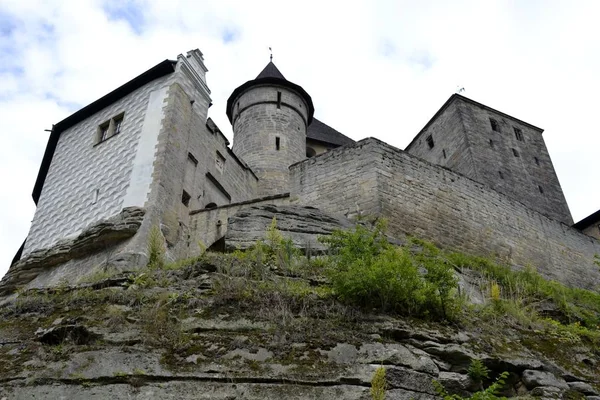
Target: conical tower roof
(270, 75)
(270, 71)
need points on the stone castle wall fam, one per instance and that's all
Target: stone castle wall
(269, 136)
(434, 203)
(80, 167)
(464, 141)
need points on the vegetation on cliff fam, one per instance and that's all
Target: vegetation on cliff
(273, 312)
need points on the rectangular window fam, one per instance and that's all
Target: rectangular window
(278, 99)
(192, 158)
(429, 141)
(444, 153)
(541, 189)
(219, 161)
(277, 143)
(494, 124)
(537, 160)
(103, 131)
(95, 195)
(185, 198)
(501, 174)
(518, 134)
(109, 128)
(118, 121)
(515, 152)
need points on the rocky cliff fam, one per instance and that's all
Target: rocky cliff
(270, 323)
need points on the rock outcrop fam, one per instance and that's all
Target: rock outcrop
(303, 225)
(98, 236)
(183, 334)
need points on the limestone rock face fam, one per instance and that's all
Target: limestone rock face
(301, 224)
(95, 237)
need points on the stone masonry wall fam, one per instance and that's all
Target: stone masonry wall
(341, 181)
(208, 226)
(80, 166)
(258, 123)
(521, 169)
(450, 209)
(450, 145)
(532, 182)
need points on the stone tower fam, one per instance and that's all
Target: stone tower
(270, 117)
(493, 148)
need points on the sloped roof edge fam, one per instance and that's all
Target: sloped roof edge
(164, 68)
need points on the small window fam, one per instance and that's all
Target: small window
(310, 152)
(277, 142)
(278, 99)
(444, 153)
(211, 206)
(494, 124)
(429, 141)
(491, 143)
(219, 161)
(518, 134)
(537, 160)
(541, 189)
(515, 152)
(109, 128)
(501, 174)
(185, 198)
(192, 158)
(118, 121)
(95, 195)
(104, 131)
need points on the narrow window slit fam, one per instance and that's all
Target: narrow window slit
(278, 99)
(429, 141)
(277, 142)
(185, 198)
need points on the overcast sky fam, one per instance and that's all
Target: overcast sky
(373, 68)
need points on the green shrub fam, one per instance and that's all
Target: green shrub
(156, 249)
(378, 384)
(368, 271)
(488, 394)
(478, 371)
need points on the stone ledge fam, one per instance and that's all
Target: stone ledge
(95, 237)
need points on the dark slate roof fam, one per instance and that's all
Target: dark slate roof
(587, 221)
(270, 75)
(317, 130)
(164, 68)
(270, 71)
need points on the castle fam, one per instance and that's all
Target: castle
(144, 155)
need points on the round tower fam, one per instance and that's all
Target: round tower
(270, 116)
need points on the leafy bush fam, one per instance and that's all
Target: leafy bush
(478, 371)
(368, 271)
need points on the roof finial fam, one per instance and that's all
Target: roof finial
(271, 50)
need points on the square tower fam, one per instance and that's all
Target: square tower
(493, 148)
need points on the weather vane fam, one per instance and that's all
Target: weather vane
(271, 50)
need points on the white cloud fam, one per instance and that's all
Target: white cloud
(378, 69)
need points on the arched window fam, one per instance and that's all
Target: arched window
(210, 205)
(310, 152)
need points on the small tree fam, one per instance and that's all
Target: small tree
(378, 384)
